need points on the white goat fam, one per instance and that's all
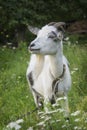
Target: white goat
(48, 73)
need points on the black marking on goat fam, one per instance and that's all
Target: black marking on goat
(53, 36)
(52, 100)
(30, 77)
(39, 98)
(39, 102)
(56, 81)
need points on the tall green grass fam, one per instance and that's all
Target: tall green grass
(16, 98)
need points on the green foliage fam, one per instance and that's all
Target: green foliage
(15, 14)
(16, 99)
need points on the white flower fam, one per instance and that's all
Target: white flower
(51, 112)
(19, 77)
(72, 72)
(42, 117)
(75, 69)
(75, 113)
(48, 118)
(40, 123)
(77, 120)
(52, 121)
(40, 113)
(69, 43)
(76, 41)
(58, 120)
(84, 128)
(15, 124)
(4, 46)
(19, 121)
(55, 105)
(86, 121)
(74, 82)
(14, 48)
(30, 128)
(27, 96)
(63, 126)
(9, 43)
(67, 38)
(61, 98)
(61, 110)
(76, 128)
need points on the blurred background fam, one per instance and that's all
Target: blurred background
(15, 14)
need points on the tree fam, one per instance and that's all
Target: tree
(15, 14)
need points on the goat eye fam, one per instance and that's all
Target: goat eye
(52, 35)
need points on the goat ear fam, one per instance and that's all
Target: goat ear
(34, 30)
(60, 35)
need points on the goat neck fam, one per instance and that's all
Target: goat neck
(56, 62)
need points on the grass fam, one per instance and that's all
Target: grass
(16, 99)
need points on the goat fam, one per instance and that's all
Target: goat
(48, 73)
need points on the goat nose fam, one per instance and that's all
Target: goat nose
(32, 45)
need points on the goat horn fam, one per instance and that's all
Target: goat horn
(58, 25)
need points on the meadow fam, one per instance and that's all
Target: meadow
(16, 98)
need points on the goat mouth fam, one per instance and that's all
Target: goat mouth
(34, 50)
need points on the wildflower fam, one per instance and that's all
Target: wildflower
(84, 128)
(67, 38)
(40, 112)
(58, 120)
(42, 117)
(77, 42)
(86, 121)
(77, 120)
(19, 77)
(75, 69)
(4, 46)
(69, 43)
(19, 121)
(72, 72)
(14, 48)
(55, 105)
(75, 113)
(61, 110)
(76, 128)
(48, 118)
(27, 96)
(15, 125)
(41, 123)
(30, 128)
(74, 82)
(51, 112)
(61, 98)
(7, 35)
(63, 126)
(9, 43)
(53, 121)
